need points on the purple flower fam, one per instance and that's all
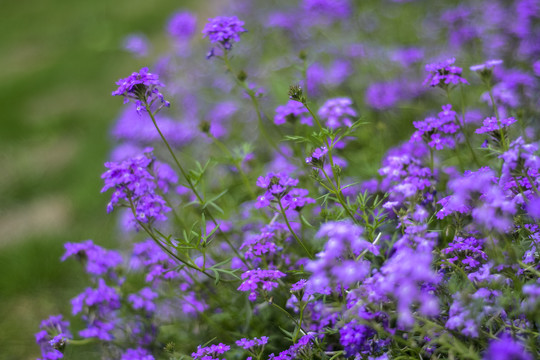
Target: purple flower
(97, 260)
(536, 68)
(137, 354)
(157, 265)
(136, 44)
(279, 190)
(52, 337)
(100, 304)
(291, 353)
(491, 124)
(443, 74)
(144, 300)
(138, 128)
(263, 279)
(506, 348)
(292, 112)
(468, 251)
(328, 8)
(533, 208)
(477, 193)
(135, 187)
(224, 30)
(336, 266)
(210, 352)
(317, 157)
(143, 87)
(249, 344)
(487, 66)
(337, 112)
(385, 95)
(299, 285)
(182, 25)
(356, 338)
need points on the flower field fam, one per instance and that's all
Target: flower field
(315, 179)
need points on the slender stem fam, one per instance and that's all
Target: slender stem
(297, 333)
(496, 111)
(253, 99)
(531, 181)
(191, 185)
(337, 186)
(462, 127)
(79, 342)
(289, 315)
(292, 231)
(237, 164)
(339, 195)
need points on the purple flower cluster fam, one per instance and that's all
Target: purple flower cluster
(280, 189)
(506, 348)
(331, 8)
(248, 344)
(438, 132)
(300, 348)
(137, 354)
(405, 175)
(144, 300)
(135, 187)
(224, 30)
(143, 87)
(97, 261)
(182, 25)
(317, 156)
(337, 112)
(443, 74)
(466, 252)
(98, 305)
(254, 280)
(136, 44)
(211, 352)
(293, 111)
(491, 124)
(52, 337)
(337, 265)
(477, 193)
(436, 256)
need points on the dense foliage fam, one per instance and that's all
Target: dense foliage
(260, 227)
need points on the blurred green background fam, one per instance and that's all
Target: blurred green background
(58, 64)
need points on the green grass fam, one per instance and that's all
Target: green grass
(59, 62)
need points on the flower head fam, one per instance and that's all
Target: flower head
(265, 279)
(337, 112)
(492, 124)
(143, 87)
(292, 112)
(182, 25)
(224, 30)
(443, 74)
(136, 44)
(135, 186)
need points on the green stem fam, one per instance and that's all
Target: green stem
(462, 128)
(339, 196)
(80, 342)
(297, 333)
(237, 164)
(292, 231)
(337, 186)
(191, 185)
(288, 315)
(253, 99)
(496, 111)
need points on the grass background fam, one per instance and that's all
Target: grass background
(58, 64)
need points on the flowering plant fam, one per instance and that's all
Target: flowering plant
(288, 236)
